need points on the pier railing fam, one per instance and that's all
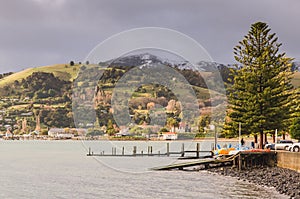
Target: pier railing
(182, 153)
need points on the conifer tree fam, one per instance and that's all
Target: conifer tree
(261, 94)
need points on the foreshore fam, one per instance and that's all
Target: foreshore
(122, 139)
(285, 181)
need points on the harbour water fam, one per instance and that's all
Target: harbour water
(61, 169)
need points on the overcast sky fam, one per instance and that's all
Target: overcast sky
(43, 32)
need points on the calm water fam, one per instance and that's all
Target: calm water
(60, 169)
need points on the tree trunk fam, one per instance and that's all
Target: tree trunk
(273, 136)
(261, 139)
(266, 138)
(283, 135)
(255, 138)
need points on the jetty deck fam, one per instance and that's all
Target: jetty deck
(241, 160)
(180, 166)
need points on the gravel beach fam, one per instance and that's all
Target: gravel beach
(285, 181)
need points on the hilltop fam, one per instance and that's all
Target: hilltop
(64, 72)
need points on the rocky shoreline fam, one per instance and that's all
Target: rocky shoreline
(285, 181)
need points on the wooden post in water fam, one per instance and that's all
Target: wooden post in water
(89, 151)
(240, 162)
(134, 150)
(123, 150)
(149, 150)
(168, 149)
(197, 150)
(182, 150)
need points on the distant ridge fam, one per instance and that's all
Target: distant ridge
(69, 72)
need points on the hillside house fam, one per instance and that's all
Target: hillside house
(8, 134)
(59, 133)
(169, 136)
(66, 133)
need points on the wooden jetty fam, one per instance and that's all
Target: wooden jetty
(182, 153)
(180, 166)
(241, 160)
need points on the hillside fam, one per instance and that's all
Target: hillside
(62, 71)
(47, 91)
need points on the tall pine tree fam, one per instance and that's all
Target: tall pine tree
(261, 94)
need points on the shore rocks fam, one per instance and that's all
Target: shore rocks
(285, 181)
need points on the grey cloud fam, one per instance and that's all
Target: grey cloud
(39, 32)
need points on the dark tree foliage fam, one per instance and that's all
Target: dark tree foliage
(261, 96)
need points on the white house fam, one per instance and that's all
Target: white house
(59, 133)
(169, 136)
(8, 134)
(66, 133)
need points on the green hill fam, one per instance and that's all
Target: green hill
(62, 71)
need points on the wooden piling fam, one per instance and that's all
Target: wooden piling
(197, 150)
(123, 150)
(168, 149)
(182, 150)
(240, 162)
(134, 150)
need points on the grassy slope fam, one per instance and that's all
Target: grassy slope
(59, 70)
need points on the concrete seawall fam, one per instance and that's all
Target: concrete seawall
(289, 160)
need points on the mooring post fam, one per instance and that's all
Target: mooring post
(134, 150)
(151, 150)
(168, 149)
(197, 150)
(240, 162)
(115, 150)
(89, 151)
(142, 152)
(182, 150)
(122, 150)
